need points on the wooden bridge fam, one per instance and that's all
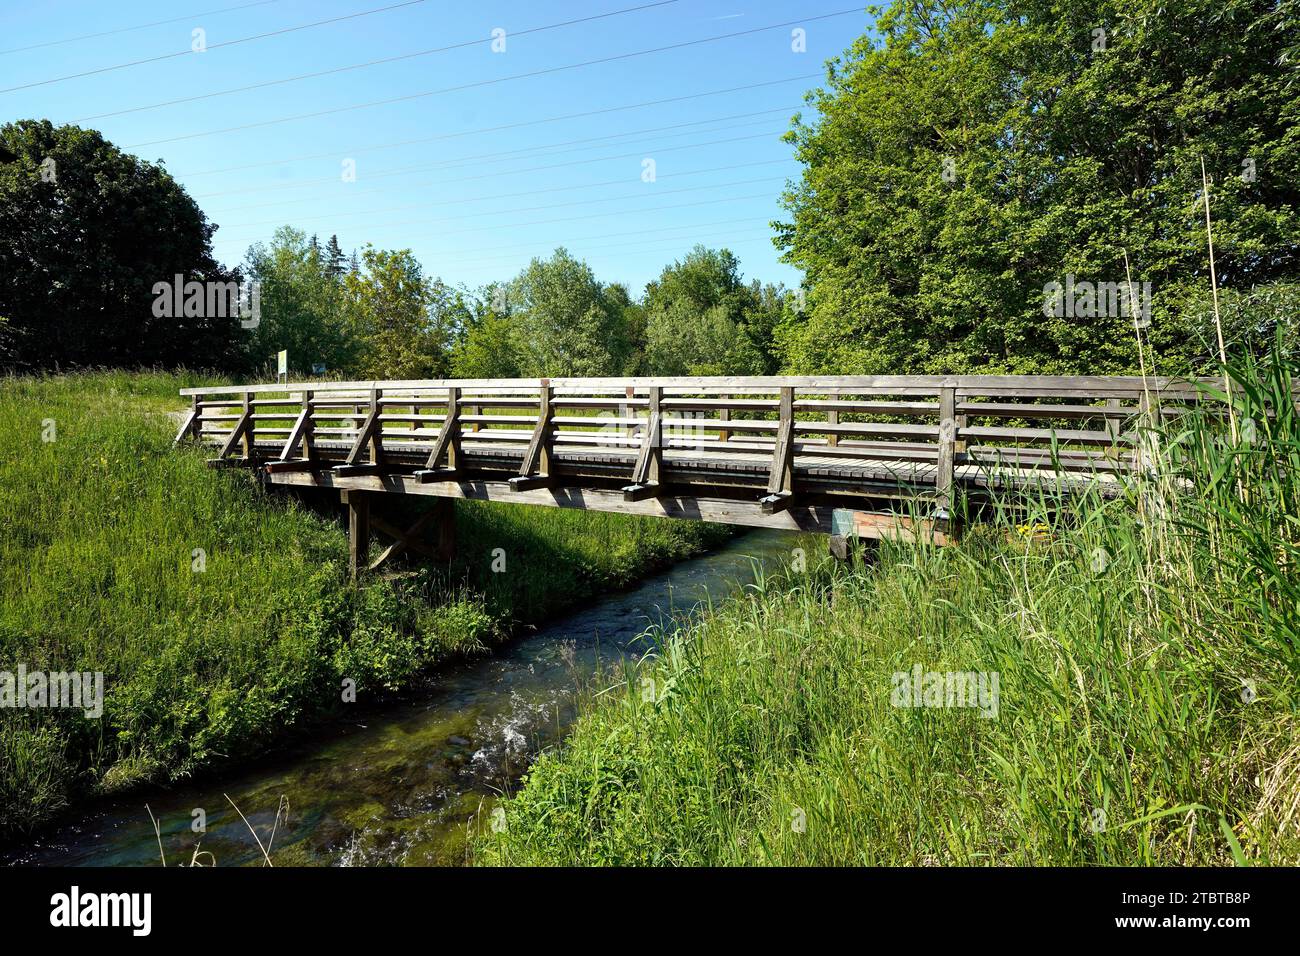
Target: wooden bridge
(872, 456)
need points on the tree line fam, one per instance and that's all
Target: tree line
(968, 160)
(380, 315)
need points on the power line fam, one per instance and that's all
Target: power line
(548, 222)
(495, 80)
(529, 192)
(503, 212)
(210, 47)
(360, 66)
(644, 246)
(334, 154)
(507, 172)
(607, 235)
(503, 157)
(618, 235)
(139, 26)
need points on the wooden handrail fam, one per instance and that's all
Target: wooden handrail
(1040, 385)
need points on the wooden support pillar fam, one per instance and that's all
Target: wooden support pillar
(358, 503)
(833, 418)
(724, 414)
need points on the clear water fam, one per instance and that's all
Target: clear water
(399, 787)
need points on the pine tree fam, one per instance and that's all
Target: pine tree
(334, 258)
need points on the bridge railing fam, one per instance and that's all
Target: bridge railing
(937, 430)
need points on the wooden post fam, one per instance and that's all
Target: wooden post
(725, 415)
(649, 460)
(943, 478)
(1112, 425)
(654, 436)
(452, 421)
(248, 432)
(780, 477)
(535, 472)
(358, 503)
(625, 411)
(308, 433)
(833, 418)
(377, 432)
(544, 424)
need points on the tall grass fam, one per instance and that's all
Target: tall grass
(98, 551)
(1147, 656)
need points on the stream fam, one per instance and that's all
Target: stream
(399, 786)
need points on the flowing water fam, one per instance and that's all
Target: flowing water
(401, 786)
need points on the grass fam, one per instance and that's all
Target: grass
(1147, 651)
(106, 527)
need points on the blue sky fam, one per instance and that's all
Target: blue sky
(467, 178)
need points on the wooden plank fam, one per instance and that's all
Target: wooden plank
(892, 527)
(711, 507)
(537, 457)
(530, 482)
(1113, 406)
(366, 432)
(641, 492)
(402, 540)
(849, 384)
(1062, 436)
(300, 434)
(448, 442)
(189, 425)
(369, 468)
(239, 433)
(771, 504)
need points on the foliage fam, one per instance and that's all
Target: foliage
(978, 151)
(86, 231)
(701, 319)
(567, 322)
(402, 323)
(301, 303)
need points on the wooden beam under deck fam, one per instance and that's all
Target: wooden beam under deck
(798, 516)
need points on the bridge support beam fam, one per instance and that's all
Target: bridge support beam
(358, 504)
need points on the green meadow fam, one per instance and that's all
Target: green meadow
(1146, 651)
(221, 615)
